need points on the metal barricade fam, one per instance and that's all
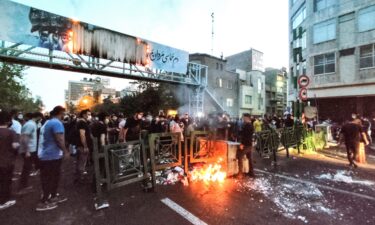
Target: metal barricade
(202, 147)
(165, 151)
(268, 143)
(118, 165)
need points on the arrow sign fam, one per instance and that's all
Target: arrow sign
(303, 81)
(303, 94)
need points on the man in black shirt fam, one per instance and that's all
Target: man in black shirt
(289, 122)
(99, 129)
(246, 136)
(132, 129)
(351, 132)
(84, 145)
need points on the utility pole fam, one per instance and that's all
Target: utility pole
(212, 33)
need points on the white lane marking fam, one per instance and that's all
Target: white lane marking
(183, 212)
(318, 185)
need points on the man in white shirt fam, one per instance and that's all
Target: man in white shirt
(28, 149)
(16, 126)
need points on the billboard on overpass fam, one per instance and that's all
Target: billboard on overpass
(31, 26)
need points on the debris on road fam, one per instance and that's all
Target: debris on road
(345, 177)
(291, 198)
(171, 176)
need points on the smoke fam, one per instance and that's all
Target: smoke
(182, 94)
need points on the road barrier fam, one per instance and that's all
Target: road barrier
(118, 165)
(165, 151)
(269, 141)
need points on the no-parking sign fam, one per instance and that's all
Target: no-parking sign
(303, 81)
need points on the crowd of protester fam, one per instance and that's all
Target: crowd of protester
(43, 140)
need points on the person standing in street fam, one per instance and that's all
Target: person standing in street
(258, 124)
(352, 134)
(50, 153)
(29, 150)
(15, 126)
(85, 144)
(8, 150)
(132, 129)
(246, 136)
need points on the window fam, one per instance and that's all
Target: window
(322, 4)
(367, 56)
(324, 63)
(299, 17)
(221, 66)
(248, 99)
(217, 66)
(324, 31)
(230, 84)
(366, 19)
(229, 102)
(219, 82)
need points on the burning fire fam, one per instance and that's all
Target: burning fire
(208, 173)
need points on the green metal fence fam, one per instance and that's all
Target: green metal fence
(165, 151)
(118, 165)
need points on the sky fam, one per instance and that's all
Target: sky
(184, 24)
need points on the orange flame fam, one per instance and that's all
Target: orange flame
(208, 173)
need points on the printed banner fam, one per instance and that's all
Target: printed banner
(31, 26)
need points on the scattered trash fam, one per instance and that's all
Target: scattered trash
(291, 198)
(345, 177)
(171, 176)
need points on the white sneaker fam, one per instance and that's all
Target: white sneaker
(7, 204)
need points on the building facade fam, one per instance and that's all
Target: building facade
(252, 95)
(332, 42)
(247, 61)
(97, 88)
(222, 85)
(276, 91)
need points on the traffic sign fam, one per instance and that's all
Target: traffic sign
(303, 81)
(303, 94)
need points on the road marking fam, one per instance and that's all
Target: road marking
(318, 185)
(183, 212)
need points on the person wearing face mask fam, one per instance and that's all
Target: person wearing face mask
(132, 129)
(84, 145)
(28, 149)
(15, 125)
(99, 129)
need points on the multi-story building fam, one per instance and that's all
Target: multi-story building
(89, 87)
(276, 91)
(247, 61)
(249, 64)
(252, 95)
(332, 42)
(222, 85)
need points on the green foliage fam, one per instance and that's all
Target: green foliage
(150, 98)
(14, 94)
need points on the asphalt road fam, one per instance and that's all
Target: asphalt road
(309, 189)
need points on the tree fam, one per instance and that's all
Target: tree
(151, 98)
(14, 94)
